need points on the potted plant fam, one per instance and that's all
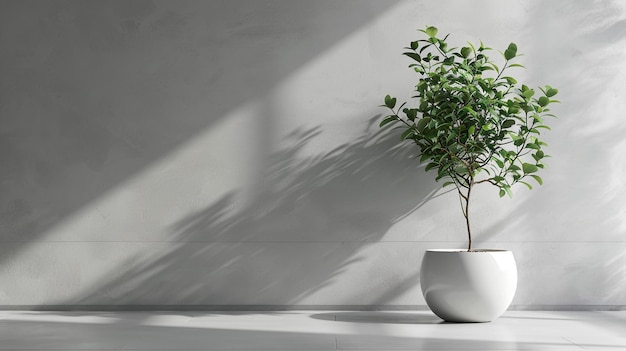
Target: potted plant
(473, 124)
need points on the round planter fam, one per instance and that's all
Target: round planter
(474, 286)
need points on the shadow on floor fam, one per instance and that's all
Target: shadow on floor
(381, 317)
(288, 331)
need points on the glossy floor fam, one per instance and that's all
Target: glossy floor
(308, 330)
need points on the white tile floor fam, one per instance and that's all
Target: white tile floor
(308, 330)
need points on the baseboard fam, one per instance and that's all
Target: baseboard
(262, 308)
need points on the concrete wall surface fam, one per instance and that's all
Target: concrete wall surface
(227, 153)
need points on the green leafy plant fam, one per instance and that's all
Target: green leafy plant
(474, 123)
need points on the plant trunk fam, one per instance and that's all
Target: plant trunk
(466, 215)
(469, 230)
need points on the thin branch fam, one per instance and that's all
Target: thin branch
(461, 198)
(488, 180)
(462, 195)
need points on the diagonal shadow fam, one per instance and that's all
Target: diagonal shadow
(93, 92)
(301, 232)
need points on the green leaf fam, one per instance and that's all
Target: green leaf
(448, 61)
(510, 80)
(446, 184)
(530, 187)
(512, 47)
(513, 109)
(543, 101)
(407, 133)
(415, 56)
(508, 190)
(423, 106)
(508, 123)
(390, 102)
(471, 129)
(551, 92)
(387, 120)
(528, 93)
(514, 168)
(431, 31)
(529, 168)
(516, 65)
(430, 166)
(510, 51)
(414, 45)
(509, 54)
(537, 178)
(422, 123)
(465, 52)
(443, 45)
(494, 66)
(533, 146)
(502, 192)
(411, 114)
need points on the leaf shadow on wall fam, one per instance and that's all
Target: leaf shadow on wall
(92, 93)
(300, 233)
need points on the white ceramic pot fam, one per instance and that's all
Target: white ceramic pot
(474, 286)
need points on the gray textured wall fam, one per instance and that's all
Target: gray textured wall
(226, 153)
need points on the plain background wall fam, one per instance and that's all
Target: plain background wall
(227, 153)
